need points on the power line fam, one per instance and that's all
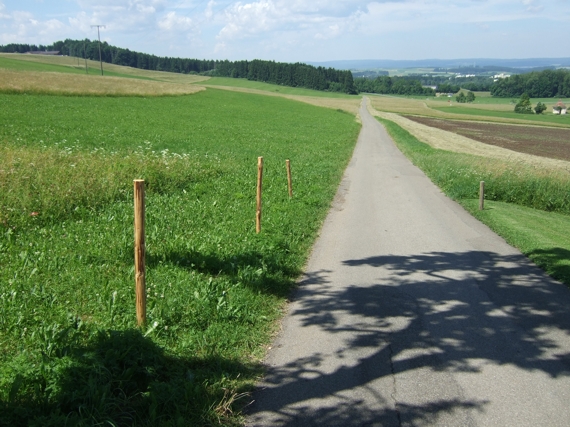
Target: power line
(99, 36)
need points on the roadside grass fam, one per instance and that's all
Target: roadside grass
(269, 87)
(542, 236)
(539, 191)
(72, 354)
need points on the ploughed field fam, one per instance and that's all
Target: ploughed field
(541, 141)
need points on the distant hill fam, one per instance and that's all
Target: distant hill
(369, 64)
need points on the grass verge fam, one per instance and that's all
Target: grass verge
(72, 354)
(542, 236)
(528, 206)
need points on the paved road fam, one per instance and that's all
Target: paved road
(413, 313)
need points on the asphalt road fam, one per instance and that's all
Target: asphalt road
(413, 313)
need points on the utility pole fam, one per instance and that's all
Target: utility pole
(85, 56)
(99, 36)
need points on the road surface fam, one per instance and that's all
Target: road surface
(412, 313)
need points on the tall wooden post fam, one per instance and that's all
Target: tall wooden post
(289, 181)
(140, 252)
(259, 185)
(481, 195)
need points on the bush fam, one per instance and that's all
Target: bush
(540, 108)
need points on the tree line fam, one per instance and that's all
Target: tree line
(295, 75)
(392, 86)
(543, 84)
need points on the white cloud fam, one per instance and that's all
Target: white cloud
(174, 22)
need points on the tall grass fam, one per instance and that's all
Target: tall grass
(71, 351)
(49, 184)
(458, 175)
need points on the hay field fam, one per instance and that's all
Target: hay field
(77, 84)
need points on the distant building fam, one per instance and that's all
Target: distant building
(559, 108)
(500, 76)
(43, 52)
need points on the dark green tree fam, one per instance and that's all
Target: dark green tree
(461, 98)
(470, 97)
(523, 106)
(540, 108)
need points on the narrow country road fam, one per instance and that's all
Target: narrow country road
(412, 313)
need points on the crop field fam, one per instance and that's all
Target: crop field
(493, 111)
(539, 141)
(72, 354)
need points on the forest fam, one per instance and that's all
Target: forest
(295, 75)
(543, 84)
(392, 86)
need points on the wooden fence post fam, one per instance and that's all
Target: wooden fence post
(140, 252)
(289, 181)
(481, 195)
(259, 185)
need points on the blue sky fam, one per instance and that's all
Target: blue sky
(301, 30)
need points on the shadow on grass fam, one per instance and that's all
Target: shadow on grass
(121, 378)
(404, 336)
(552, 261)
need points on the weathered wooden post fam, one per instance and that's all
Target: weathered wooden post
(140, 286)
(481, 195)
(289, 181)
(259, 185)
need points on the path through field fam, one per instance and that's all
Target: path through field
(413, 313)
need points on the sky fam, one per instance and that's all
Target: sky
(300, 30)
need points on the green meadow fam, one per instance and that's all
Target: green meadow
(72, 354)
(17, 64)
(268, 87)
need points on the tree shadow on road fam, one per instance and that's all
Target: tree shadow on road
(435, 314)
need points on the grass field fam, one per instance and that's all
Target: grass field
(268, 87)
(72, 354)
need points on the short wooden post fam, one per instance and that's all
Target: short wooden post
(259, 185)
(481, 195)
(289, 182)
(140, 252)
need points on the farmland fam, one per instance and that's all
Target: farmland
(72, 352)
(72, 144)
(525, 168)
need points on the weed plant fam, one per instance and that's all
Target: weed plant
(72, 354)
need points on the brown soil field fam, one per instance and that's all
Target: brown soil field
(553, 143)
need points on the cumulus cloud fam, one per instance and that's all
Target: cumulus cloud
(174, 22)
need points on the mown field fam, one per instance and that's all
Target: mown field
(72, 352)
